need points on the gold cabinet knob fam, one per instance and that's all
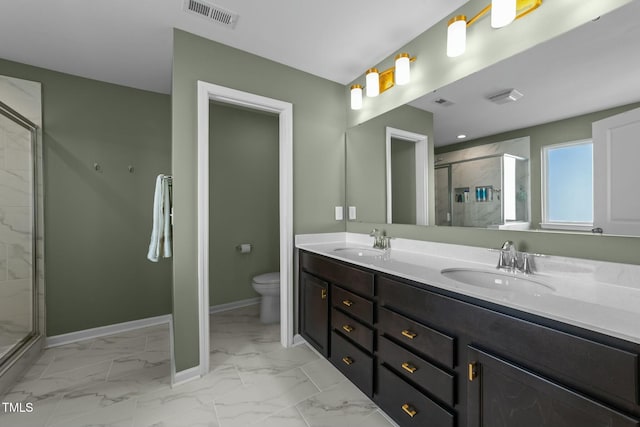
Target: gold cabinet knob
(348, 328)
(323, 294)
(347, 302)
(347, 360)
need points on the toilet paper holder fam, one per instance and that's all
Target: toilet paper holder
(244, 248)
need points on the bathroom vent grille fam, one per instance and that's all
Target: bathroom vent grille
(211, 12)
(506, 96)
(443, 102)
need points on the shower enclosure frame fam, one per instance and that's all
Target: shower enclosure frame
(23, 353)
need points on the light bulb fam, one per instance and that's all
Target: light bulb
(503, 12)
(356, 97)
(403, 70)
(373, 82)
(457, 36)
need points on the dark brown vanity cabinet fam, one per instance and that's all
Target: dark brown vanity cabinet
(503, 394)
(436, 358)
(349, 317)
(314, 312)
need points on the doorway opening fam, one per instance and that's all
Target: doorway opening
(207, 93)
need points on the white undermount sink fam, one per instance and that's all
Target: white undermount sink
(498, 280)
(361, 252)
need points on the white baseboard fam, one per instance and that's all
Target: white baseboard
(298, 340)
(185, 376)
(231, 305)
(71, 337)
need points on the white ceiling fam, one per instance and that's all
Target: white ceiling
(592, 68)
(129, 42)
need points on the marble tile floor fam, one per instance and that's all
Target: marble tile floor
(123, 380)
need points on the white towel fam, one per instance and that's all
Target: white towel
(160, 244)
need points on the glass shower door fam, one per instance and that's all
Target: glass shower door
(17, 231)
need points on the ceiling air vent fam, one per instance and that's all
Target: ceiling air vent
(443, 102)
(211, 12)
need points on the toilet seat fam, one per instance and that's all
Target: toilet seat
(267, 278)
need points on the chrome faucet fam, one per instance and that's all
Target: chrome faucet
(512, 260)
(508, 256)
(380, 239)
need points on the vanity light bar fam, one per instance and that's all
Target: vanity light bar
(503, 12)
(378, 82)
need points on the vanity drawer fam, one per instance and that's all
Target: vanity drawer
(351, 278)
(354, 363)
(352, 329)
(418, 303)
(431, 343)
(407, 405)
(351, 303)
(437, 382)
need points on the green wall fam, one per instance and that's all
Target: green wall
(567, 130)
(403, 181)
(243, 203)
(318, 154)
(97, 224)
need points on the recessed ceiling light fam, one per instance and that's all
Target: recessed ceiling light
(462, 136)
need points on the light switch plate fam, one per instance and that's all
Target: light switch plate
(352, 212)
(339, 213)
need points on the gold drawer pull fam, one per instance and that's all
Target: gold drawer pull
(323, 294)
(407, 333)
(407, 367)
(473, 371)
(347, 303)
(409, 410)
(347, 328)
(347, 360)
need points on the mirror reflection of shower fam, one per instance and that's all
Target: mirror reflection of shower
(484, 186)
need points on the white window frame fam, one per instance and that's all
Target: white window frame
(556, 225)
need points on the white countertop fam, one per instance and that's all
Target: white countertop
(599, 296)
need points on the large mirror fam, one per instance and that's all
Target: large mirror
(497, 163)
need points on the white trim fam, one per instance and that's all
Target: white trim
(219, 308)
(566, 226)
(203, 225)
(210, 92)
(71, 337)
(185, 376)
(422, 167)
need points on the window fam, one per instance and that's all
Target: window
(567, 187)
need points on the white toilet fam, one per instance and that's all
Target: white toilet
(268, 285)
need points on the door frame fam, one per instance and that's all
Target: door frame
(211, 92)
(422, 173)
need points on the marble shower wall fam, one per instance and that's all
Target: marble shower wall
(483, 172)
(17, 154)
(469, 212)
